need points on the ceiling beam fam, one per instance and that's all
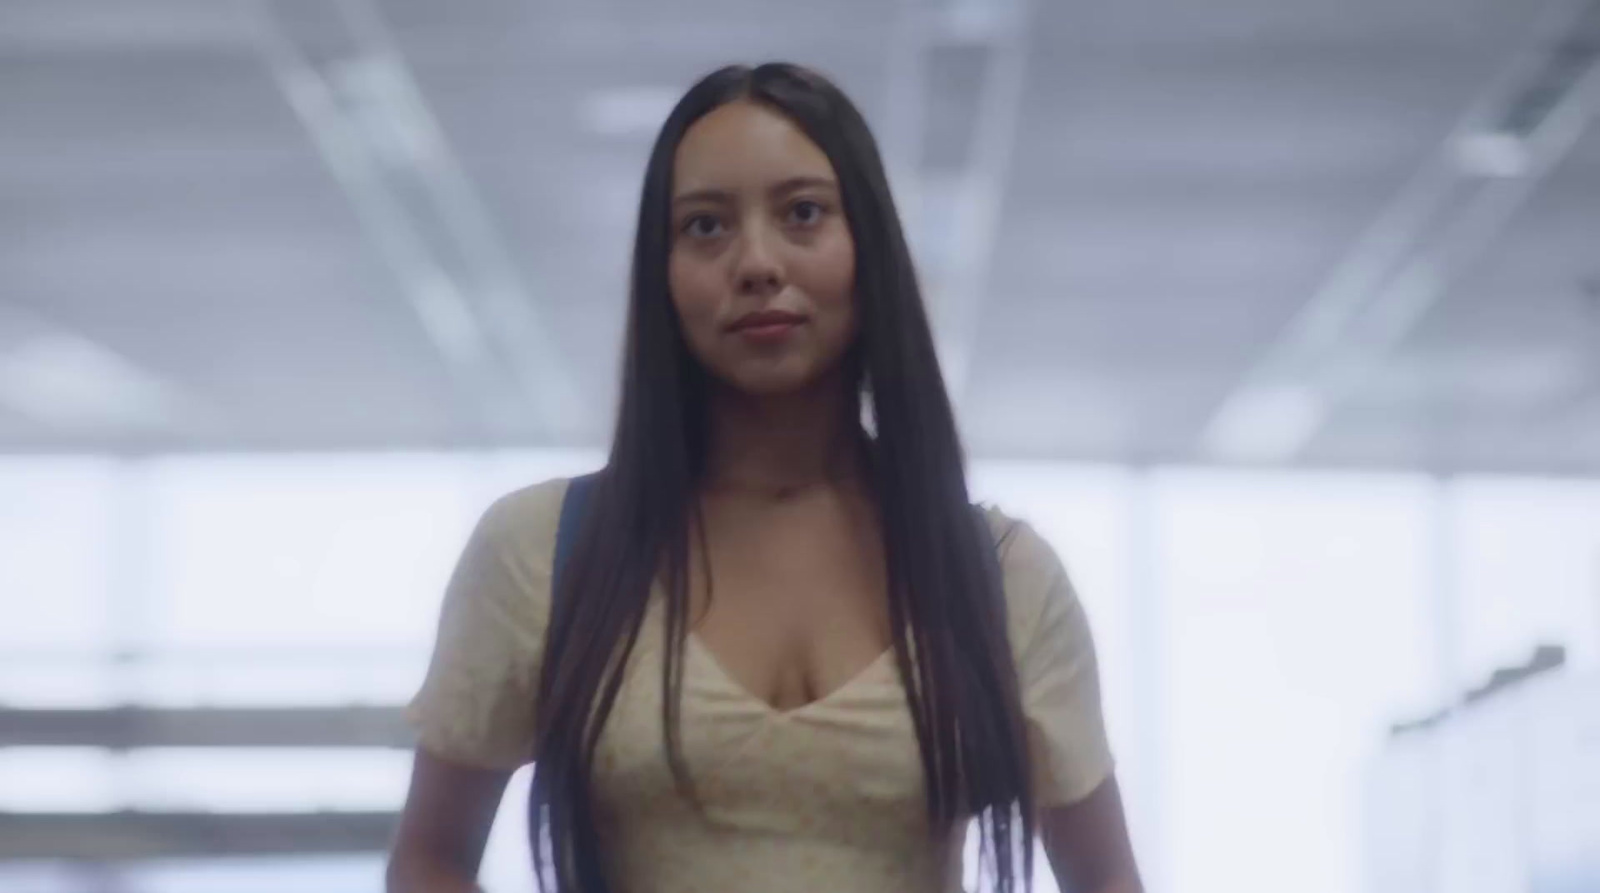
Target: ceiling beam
(347, 80)
(952, 212)
(1434, 229)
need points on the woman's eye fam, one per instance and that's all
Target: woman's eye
(806, 212)
(702, 226)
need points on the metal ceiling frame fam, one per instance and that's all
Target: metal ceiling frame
(135, 727)
(106, 840)
(346, 78)
(1439, 223)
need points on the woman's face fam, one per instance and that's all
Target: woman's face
(762, 266)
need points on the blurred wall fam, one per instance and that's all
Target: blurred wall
(1258, 632)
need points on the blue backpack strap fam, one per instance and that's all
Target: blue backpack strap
(573, 507)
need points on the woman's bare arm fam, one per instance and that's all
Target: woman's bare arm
(1088, 846)
(444, 826)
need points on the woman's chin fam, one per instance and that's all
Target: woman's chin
(769, 381)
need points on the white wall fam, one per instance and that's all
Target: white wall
(1257, 632)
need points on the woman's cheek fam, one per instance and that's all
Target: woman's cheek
(696, 305)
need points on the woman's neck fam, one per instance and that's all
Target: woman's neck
(783, 444)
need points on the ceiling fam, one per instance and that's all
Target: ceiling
(1173, 182)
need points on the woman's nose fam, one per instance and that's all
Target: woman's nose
(758, 271)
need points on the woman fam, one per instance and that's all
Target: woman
(783, 653)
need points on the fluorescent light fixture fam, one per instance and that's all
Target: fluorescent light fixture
(1265, 423)
(627, 111)
(397, 131)
(445, 314)
(1492, 154)
(978, 21)
(66, 380)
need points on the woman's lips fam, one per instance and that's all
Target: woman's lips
(767, 326)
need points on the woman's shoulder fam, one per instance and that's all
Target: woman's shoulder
(1033, 573)
(475, 705)
(1021, 549)
(523, 523)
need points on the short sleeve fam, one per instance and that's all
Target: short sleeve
(1056, 668)
(476, 703)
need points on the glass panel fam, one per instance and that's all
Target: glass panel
(88, 779)
(1296, 633)
(323, 874)
(295, 552)
(55, 553)
(1526, 565)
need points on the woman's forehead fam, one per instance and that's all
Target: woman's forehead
(742, 147)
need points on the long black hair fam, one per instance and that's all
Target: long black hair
(946, 606)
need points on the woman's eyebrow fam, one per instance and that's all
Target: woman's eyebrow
(715, 196)
(795, 184)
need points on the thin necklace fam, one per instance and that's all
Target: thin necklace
(781, 490)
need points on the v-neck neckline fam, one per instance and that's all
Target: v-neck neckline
(695, 643)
